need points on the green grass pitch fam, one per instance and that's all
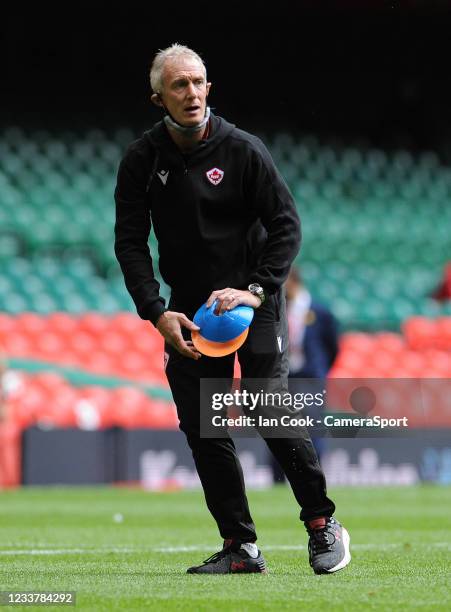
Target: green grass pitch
(75, 539)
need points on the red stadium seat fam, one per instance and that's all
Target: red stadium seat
(389, 342)
(127, 406)
(99, 362)
(17, 344)
(133, 363)
(148, 341)
(49, 381)
(58, 410)
(94, 323)
(7, 325)
(383, 362)
(160, 415)
(48, 345)
(341, 372)
(25, 405)
(412, 362)
(31, 323)
(357, 342)
(437, 363)
(114, 342)
(99, 399)
(62, 323)
(350, 360)
(443, 332)
(420, 332)
(57, 400)
(129, 323)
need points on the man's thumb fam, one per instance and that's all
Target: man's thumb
(189, 324)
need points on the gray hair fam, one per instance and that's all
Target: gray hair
(172, 52)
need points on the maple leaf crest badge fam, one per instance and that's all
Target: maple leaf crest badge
(215, 176)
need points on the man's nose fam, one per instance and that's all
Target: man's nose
(191, 90)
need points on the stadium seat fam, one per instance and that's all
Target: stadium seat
(443, 333)
(420, 332)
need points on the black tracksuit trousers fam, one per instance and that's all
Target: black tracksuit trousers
(216, 460)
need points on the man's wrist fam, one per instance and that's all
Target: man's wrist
(258, 291)
(160, 319)
(155, 311)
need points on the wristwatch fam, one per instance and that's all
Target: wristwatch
(257, 290)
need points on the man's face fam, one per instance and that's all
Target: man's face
(185, 90)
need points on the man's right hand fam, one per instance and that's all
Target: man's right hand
(170, 324)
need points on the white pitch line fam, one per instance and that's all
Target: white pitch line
(180, 549)
(69, 551)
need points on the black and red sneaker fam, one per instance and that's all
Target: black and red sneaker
(328, 545)
(234, 558)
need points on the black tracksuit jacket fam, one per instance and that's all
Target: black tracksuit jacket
(240, 229)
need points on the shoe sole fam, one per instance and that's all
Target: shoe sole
(264, 572)
(346, 559)
(259, 568)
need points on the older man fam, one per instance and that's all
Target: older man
(227, 230)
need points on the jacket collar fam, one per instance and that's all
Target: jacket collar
(161, 139)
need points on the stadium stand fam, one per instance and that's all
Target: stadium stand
(375, 242)
(367, 216)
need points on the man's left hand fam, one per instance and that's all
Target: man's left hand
(228, 298)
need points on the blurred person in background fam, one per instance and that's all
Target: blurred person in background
(313, 346)
(313, 331)
(227, 231)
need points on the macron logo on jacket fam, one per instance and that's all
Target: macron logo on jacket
(163, 176)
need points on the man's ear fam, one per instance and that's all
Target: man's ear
(156, 99)
(208, 88)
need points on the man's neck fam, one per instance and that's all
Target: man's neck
(186, 142)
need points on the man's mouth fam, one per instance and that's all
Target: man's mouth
(192, 109)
